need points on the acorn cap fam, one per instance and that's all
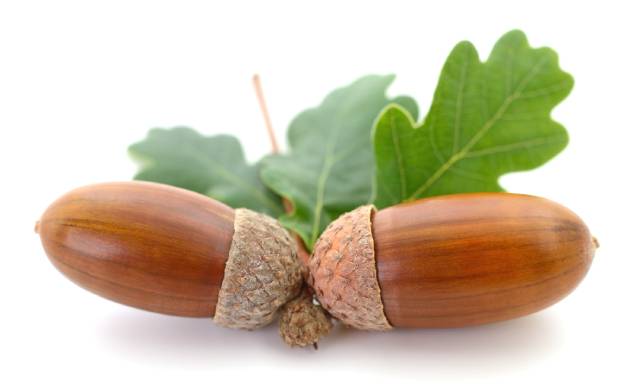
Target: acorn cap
(302, 322)
(262, 272)
(342, 272)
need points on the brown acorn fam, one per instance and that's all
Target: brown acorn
(449, 261)
(170, 250)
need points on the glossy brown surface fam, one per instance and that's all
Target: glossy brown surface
(146, 245)
(470, 259)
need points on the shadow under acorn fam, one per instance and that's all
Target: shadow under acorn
(490, 348)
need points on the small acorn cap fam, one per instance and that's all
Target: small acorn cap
(303, 323)
(342, 271)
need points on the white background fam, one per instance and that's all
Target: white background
(79, 81)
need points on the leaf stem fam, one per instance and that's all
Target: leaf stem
(303, 254)
(257, 85)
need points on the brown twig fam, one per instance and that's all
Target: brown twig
(288, 206)
(257, 85)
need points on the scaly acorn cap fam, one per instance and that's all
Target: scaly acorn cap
(342, 271)
(261, 274)
(302, 322)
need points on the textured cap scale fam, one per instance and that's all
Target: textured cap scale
(342, 271)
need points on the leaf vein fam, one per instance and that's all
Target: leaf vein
(481, 132)
(398, 157)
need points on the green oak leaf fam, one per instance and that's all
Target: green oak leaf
(329, 169)
(214, 166)
(486, 119)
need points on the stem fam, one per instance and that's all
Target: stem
(257, 85)
(288, 206)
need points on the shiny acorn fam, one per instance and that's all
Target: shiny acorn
(448, 261)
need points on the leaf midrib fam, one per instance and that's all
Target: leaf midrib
(330, 159)
(399, 161)
(322, 182)
(463, 153)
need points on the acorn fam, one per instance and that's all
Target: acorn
(172, 251)
(447, 261)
